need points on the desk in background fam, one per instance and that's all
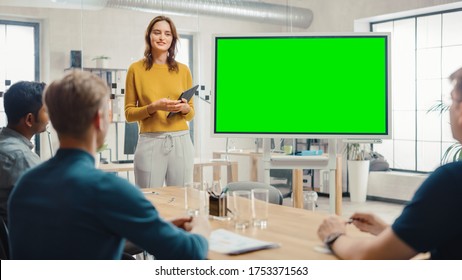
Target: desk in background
(310, 162)
(116, 167)
(281, 161)
(294, 229)
(253, 157)
(330, 161)
(231, 170)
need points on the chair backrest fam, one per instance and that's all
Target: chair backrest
(275, 196)
(282, 174)
(4, 242)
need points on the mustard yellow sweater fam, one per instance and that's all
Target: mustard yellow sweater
(143, 87)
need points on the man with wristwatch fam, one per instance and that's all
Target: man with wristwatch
(331, 238)
(426, 224)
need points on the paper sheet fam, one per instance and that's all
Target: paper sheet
(227, 242)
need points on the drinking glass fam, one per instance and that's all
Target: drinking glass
(260, 207)
(242, 209)
(195, 198)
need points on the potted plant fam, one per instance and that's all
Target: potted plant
(98, 157)
(453, 152)
(358, 172)
(101, 61)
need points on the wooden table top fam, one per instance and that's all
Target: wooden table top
(295, 230)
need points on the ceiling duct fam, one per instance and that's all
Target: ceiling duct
(57, 4)
(234, 9)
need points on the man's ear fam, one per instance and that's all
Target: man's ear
(98, 120)
(29, 120)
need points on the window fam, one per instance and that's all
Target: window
(19, 59)
(185, 51)
(185, 56)
(425, 51)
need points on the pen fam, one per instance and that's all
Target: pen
(224, 190)
(351, 220)
(211, 193)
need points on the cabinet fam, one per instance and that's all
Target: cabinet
(115, 78)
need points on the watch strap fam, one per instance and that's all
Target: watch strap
(331, 238)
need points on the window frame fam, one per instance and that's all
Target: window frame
(417, 140)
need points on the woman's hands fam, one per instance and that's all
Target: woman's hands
(168, 105)
(185, 106)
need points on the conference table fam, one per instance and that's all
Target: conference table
(295, 230)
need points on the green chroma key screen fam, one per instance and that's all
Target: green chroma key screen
(314, 85)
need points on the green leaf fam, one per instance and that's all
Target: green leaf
(439, 107)
(452, 153)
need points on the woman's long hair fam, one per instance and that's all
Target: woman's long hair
(148, 60)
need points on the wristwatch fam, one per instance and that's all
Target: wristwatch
(331, 238)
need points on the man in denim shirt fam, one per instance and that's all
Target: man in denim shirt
(26, 117)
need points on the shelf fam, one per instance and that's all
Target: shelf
(95, 69)
(115, 79)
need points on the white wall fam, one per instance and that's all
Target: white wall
(119, 34)
(339, 15)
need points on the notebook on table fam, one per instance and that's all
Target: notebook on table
(227, 242)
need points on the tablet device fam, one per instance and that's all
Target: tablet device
(187, 94)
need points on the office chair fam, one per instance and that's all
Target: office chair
(4, 244)
(285, 187)
(275, 196)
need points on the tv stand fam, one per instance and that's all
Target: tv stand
(330, 161)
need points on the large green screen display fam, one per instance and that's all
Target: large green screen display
(323, 86)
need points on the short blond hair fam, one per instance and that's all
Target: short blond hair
(73, 101)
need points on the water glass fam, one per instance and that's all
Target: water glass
(260, 207)
(242, 209)
(195, 198)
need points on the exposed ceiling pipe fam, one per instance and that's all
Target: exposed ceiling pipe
(251, 10)
(234, 9)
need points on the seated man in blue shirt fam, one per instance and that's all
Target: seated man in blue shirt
(65, 208)
(26, 117)
(427, 223)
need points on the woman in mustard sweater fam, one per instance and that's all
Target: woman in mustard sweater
(164, 153)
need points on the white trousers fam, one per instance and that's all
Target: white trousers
(166, 157)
